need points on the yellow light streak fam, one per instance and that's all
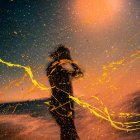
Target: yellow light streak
(102, 114)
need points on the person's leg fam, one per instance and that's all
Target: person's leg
(67, 127)
(68, 130)
(74, 135)
(64, 133)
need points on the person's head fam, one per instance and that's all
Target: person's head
(60, 53)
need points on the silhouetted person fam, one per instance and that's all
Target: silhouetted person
(61, 106)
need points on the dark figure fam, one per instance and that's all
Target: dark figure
(61, 106)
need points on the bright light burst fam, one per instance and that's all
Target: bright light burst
(99, 12)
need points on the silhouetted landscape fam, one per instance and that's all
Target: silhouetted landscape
(33, 108)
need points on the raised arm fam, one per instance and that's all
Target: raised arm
(71, 67)
(77, 72)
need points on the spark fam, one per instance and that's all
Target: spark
(16, 107)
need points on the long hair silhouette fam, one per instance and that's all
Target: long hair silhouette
(61, 106)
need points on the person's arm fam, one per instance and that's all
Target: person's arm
(71, 67)
(51, 66)
(77, 72)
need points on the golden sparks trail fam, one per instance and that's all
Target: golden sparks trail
(114, 66)
(104, 113)
(29, 72)
(108, 69)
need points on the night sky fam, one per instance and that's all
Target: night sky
(29, 31)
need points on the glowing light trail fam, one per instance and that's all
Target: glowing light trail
(103, 114)
(29, 72)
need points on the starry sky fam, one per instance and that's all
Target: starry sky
(98, 32)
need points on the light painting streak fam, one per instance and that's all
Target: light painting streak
(29, 72)
(103, 114)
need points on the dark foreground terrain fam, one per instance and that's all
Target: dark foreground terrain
(31, 120)
(33, 108)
